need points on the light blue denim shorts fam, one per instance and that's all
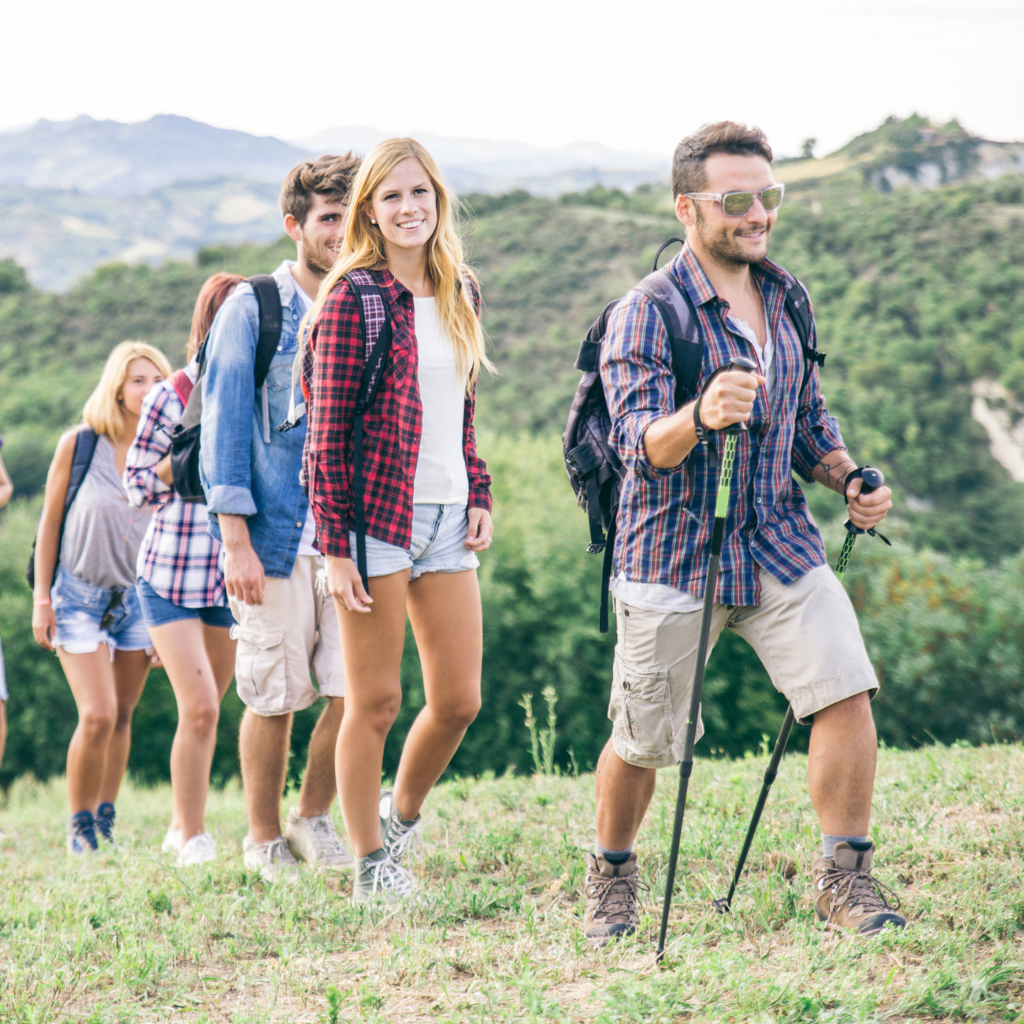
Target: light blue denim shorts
(438, 536)
(88, 616)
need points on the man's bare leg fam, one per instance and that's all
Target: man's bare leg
(319, 783)
(623, 795)
(263, 751)
(841, 766)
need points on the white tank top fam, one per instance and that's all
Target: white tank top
(441, 477)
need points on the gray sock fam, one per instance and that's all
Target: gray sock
(828, 843)
(613, 856)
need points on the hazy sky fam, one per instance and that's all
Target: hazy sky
(633, 75)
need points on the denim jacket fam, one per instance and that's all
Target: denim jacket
(248, 467)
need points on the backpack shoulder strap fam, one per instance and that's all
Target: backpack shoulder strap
(268, 300)
(798, 305)
(85, 447)
(375, 325)
(182, 385)
(680, 320)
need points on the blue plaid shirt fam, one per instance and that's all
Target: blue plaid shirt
(768, 524)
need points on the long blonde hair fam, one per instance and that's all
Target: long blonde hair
(104, 411)
(363, 248)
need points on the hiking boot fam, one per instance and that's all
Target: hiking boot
(82, 834)
(396, 833)
(611, 891)
(104, 822)
(377, 876)
(273, 860)
(200, 849)
(314, 841)
(847, 897)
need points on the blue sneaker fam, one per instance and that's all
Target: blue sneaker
(82, 834)
(104, 822)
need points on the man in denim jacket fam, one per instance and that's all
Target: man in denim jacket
(259, 512)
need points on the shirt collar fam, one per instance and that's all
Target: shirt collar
(691, 276)
(285, 282)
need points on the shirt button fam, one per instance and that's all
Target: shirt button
(758, 500)
(298, 526)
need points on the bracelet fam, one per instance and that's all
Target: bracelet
(41, 604)
(698, 424)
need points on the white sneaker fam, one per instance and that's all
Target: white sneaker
(200, 849)
(172, 841)
(273, 860)
(382, 880)
(314, 841)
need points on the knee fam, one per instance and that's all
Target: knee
(380, 713)
(97, 726)
(201, 719)
(123, 718)
(459, 715)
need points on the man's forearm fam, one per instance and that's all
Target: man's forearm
(234, 531)
(669, 440)
(833, 470)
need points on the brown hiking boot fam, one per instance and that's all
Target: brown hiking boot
(611, 891)
(847, 897)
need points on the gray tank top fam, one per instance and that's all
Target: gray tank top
(102, 532)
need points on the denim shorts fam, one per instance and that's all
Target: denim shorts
(158, 611)
(438, 536)
(88, 616)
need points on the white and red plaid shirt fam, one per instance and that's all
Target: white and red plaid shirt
(178, 558)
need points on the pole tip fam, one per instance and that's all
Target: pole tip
(721, 905)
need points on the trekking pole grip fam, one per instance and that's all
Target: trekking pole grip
(748, 365)
(872, 479)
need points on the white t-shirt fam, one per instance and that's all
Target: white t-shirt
(441, 477)
(306, 546)
(657, 597)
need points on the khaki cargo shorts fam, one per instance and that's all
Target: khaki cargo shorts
(294, 631)
(805, 634)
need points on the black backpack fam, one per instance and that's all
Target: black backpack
(185, 440)
(594, 469)
(85, 446)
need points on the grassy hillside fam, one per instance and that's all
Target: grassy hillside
(128, 938)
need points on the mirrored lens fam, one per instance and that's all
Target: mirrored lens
(735, 204)
(771, 198)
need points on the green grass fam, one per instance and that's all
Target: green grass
(127, 937)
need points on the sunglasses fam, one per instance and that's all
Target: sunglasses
(110, 612)
(737, 204)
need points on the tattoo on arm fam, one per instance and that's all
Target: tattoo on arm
(835, 471)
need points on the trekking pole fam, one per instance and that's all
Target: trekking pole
(710, 583)
(873, 479)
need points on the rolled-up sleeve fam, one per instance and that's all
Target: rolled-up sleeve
(639, 384)
(161, 410)
(229, 394)
(816, 432)
(337, 370)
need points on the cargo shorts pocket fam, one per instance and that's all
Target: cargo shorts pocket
(261, 671)
(641, 714)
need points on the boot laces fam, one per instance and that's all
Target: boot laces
(325, 838)
(857, 889)
(387, 876)
(401, 838)
(616, 897)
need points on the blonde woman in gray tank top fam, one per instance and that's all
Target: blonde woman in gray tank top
(85, 607)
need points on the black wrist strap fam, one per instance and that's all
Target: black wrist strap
(698, 425)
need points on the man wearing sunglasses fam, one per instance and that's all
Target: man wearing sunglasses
(774, 588)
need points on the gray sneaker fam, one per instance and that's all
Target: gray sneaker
(848, 898)
(314, 841)
(398, 834)
(377, 876)
(611, 891)
(273, 860)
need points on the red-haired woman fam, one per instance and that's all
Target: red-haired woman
(181, 591)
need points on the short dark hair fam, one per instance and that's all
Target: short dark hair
(327, 176)
(688, 174)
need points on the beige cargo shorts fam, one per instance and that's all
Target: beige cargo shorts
(806, 635)
(294, 632)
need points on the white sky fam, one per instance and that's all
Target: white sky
(634, 75)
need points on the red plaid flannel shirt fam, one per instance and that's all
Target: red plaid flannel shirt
(391, 427)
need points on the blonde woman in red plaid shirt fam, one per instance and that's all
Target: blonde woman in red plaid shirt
(427, 497)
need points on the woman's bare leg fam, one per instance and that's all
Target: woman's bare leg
(372, 650)
(444, 609)
(130, 671)
(183, 649)
(91, 678)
